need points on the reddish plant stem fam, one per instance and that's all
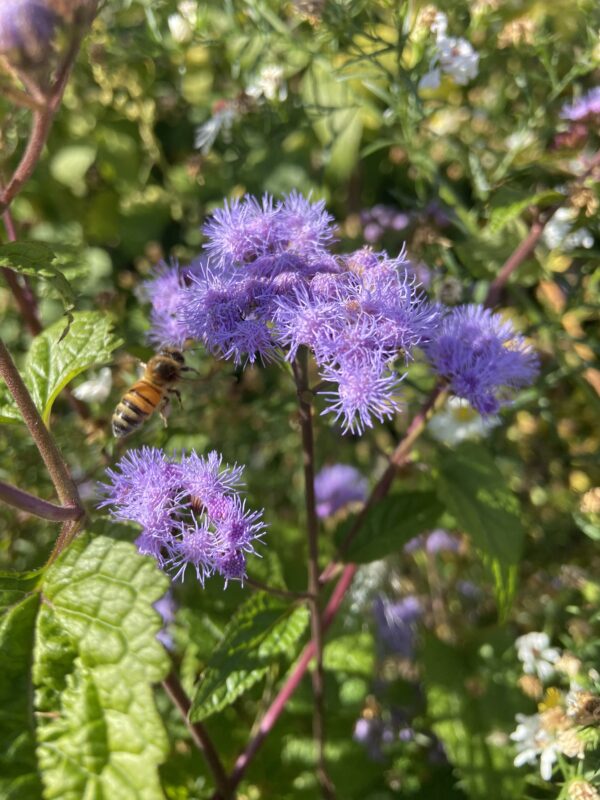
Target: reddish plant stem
(199, 736)
(527, 246)
(35, 505)
(20, 288)
(397, 459)
(300, 368)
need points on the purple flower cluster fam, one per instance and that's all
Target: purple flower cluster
(336, 487)
(586, 107)
(26, 30)
(190, 511)
(481, 356)
(397, 623)
(267, 285)
(379, 219)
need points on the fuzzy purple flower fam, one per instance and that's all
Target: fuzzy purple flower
(166, 292)
(584, 108)
(190, 511)
(397, 622)
(337, 486)
(26, 31)
(482, 357)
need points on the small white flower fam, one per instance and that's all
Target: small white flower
(189, 11)
(269, 84)
(532, 743)
(440, 25)
(180, 28)
(221, 120)
(459, 421)
(538, 658)
(558, 232)
(97, 389)
(458, 59)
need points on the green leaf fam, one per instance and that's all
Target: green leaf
(36, 260)
(19, 778)
(353, 653)
(53, 361)
(96, 659)
(474, 491)
(468, 706)
(500, 217)
(390, 525)
(263, 630)
(16, 586)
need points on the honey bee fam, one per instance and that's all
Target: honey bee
(150, 393)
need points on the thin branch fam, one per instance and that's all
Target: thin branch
(59, 473)
(40, 127)
(24, 297)
(18, 498)
(199, 736)
(527, 246)
(300, 368)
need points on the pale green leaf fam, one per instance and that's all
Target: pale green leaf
(52, 363)
(97, 657)
(36, 260)
(19, 778)
(262, 630)
(500, 217)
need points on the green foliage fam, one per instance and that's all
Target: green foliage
(54, 358)
(80, 716)
(36, 260)
(475, 492)
(260, 633)
(389, 525)
(467, 706)
(96, 658)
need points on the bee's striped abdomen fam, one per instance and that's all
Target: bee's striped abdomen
(135, 407)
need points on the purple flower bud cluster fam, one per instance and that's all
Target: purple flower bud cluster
(336, 487)
(379, 219)
(268, 284)
(190, 511)
(26, 31)
(585, 108)
(481, 356)
(397, 622)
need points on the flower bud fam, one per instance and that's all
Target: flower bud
(26, 31)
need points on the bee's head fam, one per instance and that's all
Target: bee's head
(174, 353)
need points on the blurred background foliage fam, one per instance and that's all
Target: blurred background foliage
(174, 107)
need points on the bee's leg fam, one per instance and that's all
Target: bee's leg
(190, 369)
(177, 394)
(163, 410)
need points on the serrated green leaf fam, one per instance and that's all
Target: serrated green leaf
(36, 260)
(96, 659)
(474, 491)
(19, 778)
(263, 630)
(390, 525)
(53, 361)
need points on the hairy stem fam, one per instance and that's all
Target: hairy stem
(300, 368)
(199, 736)
(18, 498)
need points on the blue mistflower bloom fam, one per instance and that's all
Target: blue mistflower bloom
(190, 511)
(267, 284)
(338, 485)
(397, 622)
(26, 31)
(586, 107)
(482, 357)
